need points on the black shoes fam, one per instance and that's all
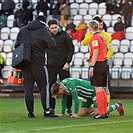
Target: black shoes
(47, 114)
(50, 113)
(69, 112)
(100, 116)
(31, 115)
(105, 115)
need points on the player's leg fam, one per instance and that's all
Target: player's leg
(86, 108)
(117, 106)
(107, 94)
(106, 88)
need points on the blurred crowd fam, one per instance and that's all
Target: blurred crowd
(25, 10)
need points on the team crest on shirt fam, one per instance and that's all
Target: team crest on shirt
(94, 43)
(70, 89)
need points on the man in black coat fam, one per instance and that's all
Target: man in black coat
(58, 59)
(40, 39)
(42, 6)
(119, 25)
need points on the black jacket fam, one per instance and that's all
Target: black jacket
(64, 49)
(40, 40)
(8, 7)
(119, 26)
(42, 6)
(55, 10)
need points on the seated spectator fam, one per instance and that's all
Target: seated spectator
(81, 30)
(119, 30)
(18, 17)
(1, 66)
(70, 28)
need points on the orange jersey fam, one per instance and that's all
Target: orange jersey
(98, 42)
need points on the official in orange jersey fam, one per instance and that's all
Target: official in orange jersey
(98, 70)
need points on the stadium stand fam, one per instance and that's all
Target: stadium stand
(76, 71)
(83, 9)
(1, 45)
(116, 45)
(9, 59)
(93, 8)
(129, 33)
(10, 20)
(71, 1)
(110, 30)
(124, 46)
(8, 45)
(121, 63)
(102, 8)
(76, 19)
(84, 74)
(84, 49)
(107, 19)
(5, 33)
(74, 8)
(87, 18)
(79, 1)
(88, 1)
(13, 33)
(131, 46)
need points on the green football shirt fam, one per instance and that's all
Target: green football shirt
(79, 89)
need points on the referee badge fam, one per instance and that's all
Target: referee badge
(94, 43)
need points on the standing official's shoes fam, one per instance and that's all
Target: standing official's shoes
(105, 115)
(31, 115)
(97, 116)
(69, 112)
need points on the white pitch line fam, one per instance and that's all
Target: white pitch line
(61, 127)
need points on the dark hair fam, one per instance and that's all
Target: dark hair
(55, 89)
(119, 18)
(53, 21)
(97, 18)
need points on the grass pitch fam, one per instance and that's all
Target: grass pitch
(13, 119)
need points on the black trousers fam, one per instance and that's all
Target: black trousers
(39, 74)
(53, 72)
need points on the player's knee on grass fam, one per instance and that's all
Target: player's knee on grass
(84, 111)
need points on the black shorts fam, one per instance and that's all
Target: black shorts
(100, 74)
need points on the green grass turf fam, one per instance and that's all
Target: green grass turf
(13, 119)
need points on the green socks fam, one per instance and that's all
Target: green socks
(113, 107)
